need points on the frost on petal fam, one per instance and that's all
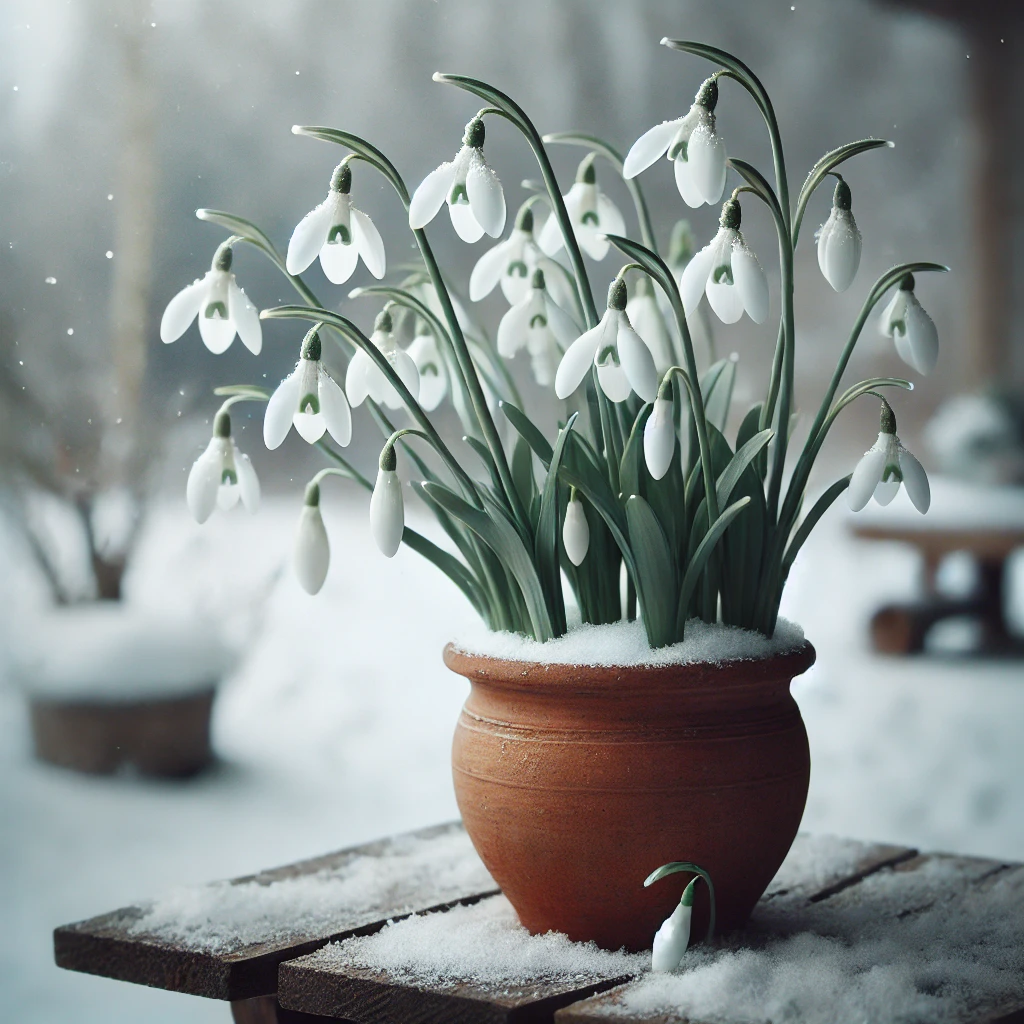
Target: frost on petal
(467, 227)
(489, 270)
(915, 479)
(432, 191)
(246, 317)
(277, 420)
(248, 482)
(866, 476)
(706, 152)
(311, 556)
(357, 379)
(334, 409)
(922, 337)
(204, 482)
(751, 284)
(513, 328)
(387, 512)
(576, 362)
(637, 362)
(217, 333)
(486, 197)
(687, 184)
(339, 260)
(694, 279)
(181, 311)
(308, 237)
(652, 144)
(369, 243)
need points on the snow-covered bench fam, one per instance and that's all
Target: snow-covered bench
(412, 930)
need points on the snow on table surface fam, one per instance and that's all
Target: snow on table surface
(224, 917)
(624, 644)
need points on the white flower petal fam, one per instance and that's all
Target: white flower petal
(339, 260)
(576, 362)
(387, 512)
(637, 361)
(467, 227)
(694, 278)
(227, 496)
(334, 409)
(248, 482)
(609, 218)
(751, 284)
(886, 490)
(204, 481)
(576, 532)
(181, 311)
(367, 240)
(246, 317)
(217, 334)
(686, 183)
(893, 313)
(562, 325)
(659, 438)
(433, 378)
(614, 382)
(922, 337)
(311, 555)
(486, 197)
(513, 326)
(309, 236)
(277, 420)
(357, 378)
(839, 249)
(408, 374)
(725, 299)
(489, 270)
(647, 321)
(310, 426)
(671, 940)
(915, 479)
(866, 476)
(652, 144)
(706, 154)
(432, 192)
(550, 237)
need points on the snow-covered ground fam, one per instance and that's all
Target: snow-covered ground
(336, 729)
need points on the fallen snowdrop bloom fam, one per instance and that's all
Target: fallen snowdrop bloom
(673, 936)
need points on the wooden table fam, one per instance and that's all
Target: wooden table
(283, 960)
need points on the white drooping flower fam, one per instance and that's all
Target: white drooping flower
(885, 466)
(476, 202)
(367, 380)
(624, 363)
(433, 375)
(728, 272)
(539, 325)
(387, 509)
(591, 213)
(911, 328)
(338, 233)
(659, 438)
(221, 475)
(693, 145)
(673, 936)
(839, 241)
(575, 531)
(511, 263)
(310, 399)
(681, 248)
(222, 307)
(648, 321)
(311, 555)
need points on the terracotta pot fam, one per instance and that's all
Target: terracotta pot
(576, 782)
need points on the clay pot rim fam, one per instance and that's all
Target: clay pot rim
(558, 676)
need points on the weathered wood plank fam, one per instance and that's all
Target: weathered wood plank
(432, 868)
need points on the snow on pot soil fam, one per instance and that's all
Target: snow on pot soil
(624, 644)
(483, 945)
(225, 917)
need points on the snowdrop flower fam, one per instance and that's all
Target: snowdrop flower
(905, 321)
(646, 317)
(660, 438)
(624, 363)
(223, 309)
(433, 376)
(366, 380)
(692, 144)
(575, 530)
(540, 326)
(476, 202)
(839, 241)
(387, 510)
(221, 475)
(681, 248)
(673, 936)
(311, 555)
(729, 272)
(591, 213)
(884, 467)
(310, 399)
(339, 233)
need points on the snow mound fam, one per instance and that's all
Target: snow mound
(113, 652)
(624, 644)
(483, 945)
(228, 916)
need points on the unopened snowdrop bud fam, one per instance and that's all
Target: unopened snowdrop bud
(884, 467)
(575, 530)
(476, 201)
(312, 553)
(591, 213)
(674, 935)
(387, 510)
(839, 241)
(659, 438)
(222, 308)
(905, 321)
(221, 475)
